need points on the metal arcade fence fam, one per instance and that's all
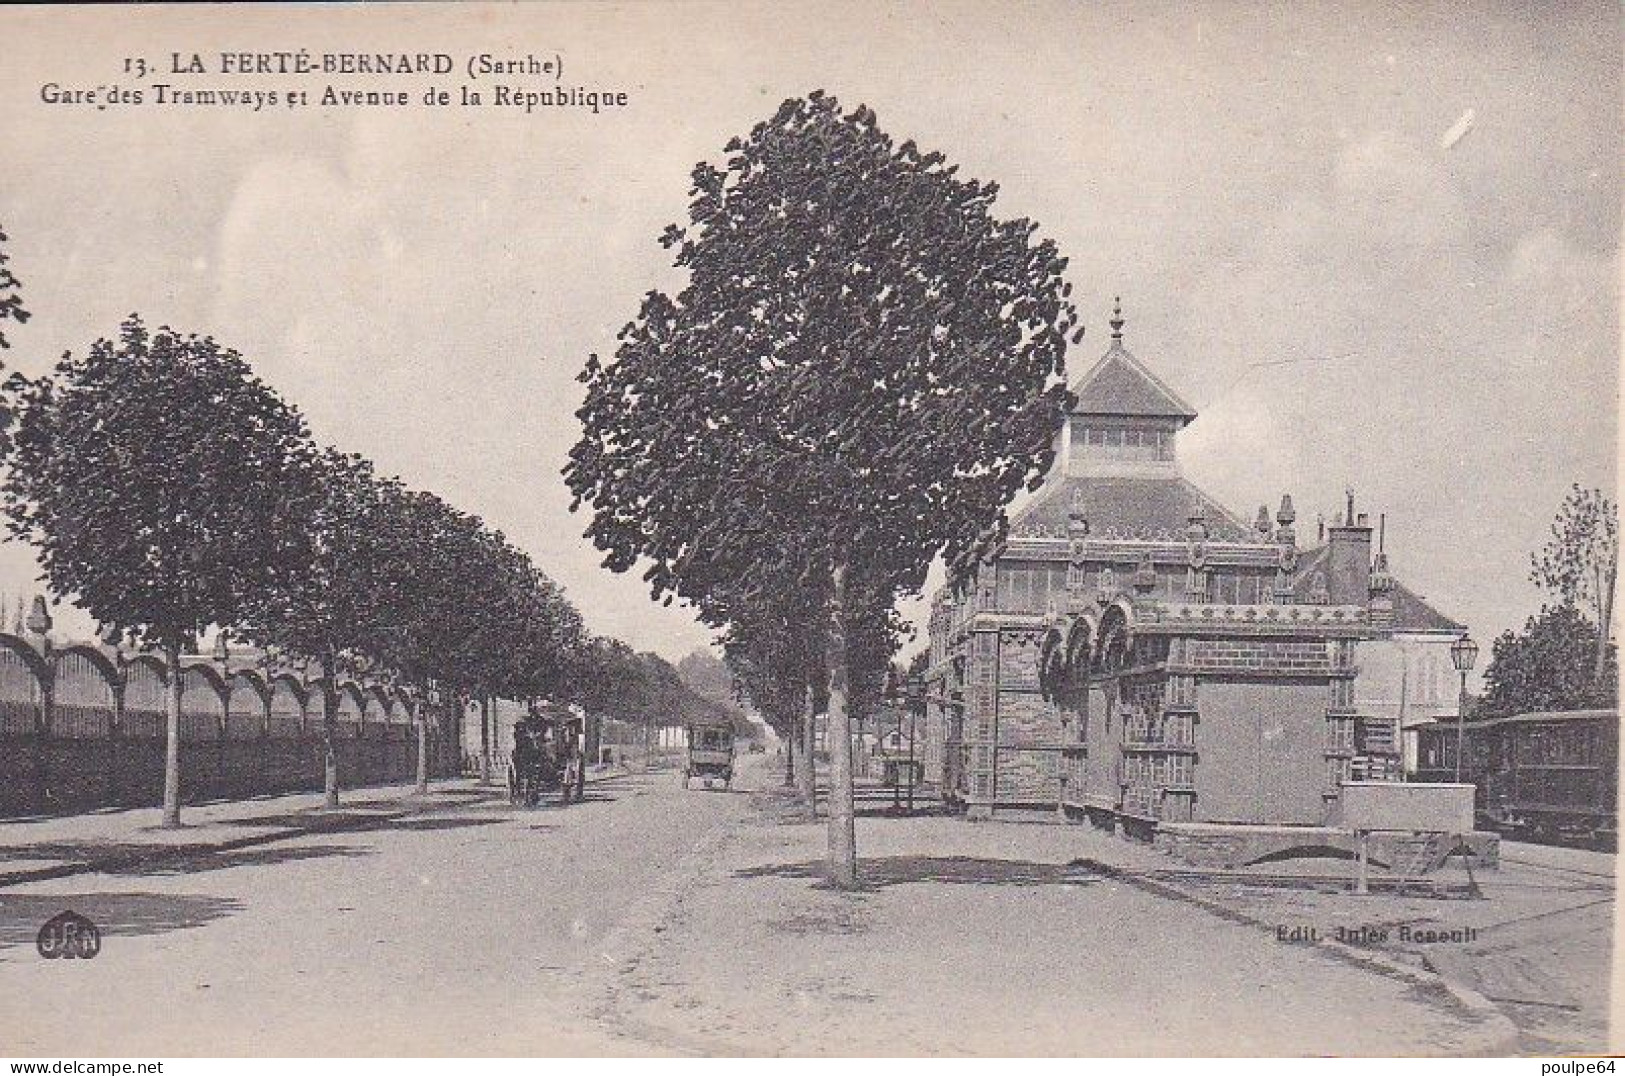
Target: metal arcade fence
(82, 727)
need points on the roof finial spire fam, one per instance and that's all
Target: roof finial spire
(1117, 318)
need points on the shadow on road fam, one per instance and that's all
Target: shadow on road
(889, 810)
(116, 914)
(347, 821)
(74, 851)
(144, 860)
(953, 870)
(138, 859)
(180, 863)
(459, 809)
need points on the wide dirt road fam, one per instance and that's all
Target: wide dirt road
(466, 928)
(650, 919)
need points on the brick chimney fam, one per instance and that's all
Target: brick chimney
(1348, 561)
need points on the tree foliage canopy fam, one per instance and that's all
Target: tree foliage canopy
(1580, 562)
(11, 300)
(642, 688)
(154, 474)
(863, 357)
(1547, 666)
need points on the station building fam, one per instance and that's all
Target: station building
(1138, 653)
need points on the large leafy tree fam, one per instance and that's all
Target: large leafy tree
(776, 698)
(1548, 666)
(542, 630)
(334, 608)
(154, 475)
(862, 370)
(1580, 562)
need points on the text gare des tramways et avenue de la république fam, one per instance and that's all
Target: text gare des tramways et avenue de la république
(485, 70)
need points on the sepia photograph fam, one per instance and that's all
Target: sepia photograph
(809, 530)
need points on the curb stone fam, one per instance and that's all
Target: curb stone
(1500, 1033)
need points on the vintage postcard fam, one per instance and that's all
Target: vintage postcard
(808, 529)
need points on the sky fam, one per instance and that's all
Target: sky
(1375, 245)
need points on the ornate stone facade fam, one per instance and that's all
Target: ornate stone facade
(1138, 653)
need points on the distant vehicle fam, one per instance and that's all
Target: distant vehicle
(710, 754)
(899, 766)
(547, 757)
(1545, 776)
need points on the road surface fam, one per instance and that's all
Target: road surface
(652, 919)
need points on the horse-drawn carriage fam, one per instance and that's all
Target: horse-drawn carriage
(547, 758)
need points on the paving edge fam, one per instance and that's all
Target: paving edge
(1501, 1033)
(162, 853)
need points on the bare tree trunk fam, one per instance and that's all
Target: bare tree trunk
(330, 730)
(809, 754)
(423, 746)
(485, 739)
(789, 762)
(1605, 619)
(172, 737)
(843, 839)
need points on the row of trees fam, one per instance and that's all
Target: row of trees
(863, 368)
(172, 493)
(710, 677)
(645, 690)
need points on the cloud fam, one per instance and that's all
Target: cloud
(436, 326)
(1444, 371)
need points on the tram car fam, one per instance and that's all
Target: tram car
(710, 754)
(1547, 776)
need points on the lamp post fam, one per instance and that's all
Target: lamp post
(916, 702)
(1463, 653)
(894, 695)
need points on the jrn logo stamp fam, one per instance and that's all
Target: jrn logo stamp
(69, 936)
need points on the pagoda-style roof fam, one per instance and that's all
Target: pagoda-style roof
(1118, 385)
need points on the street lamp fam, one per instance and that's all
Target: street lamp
(916, 702)
(1463, 652)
